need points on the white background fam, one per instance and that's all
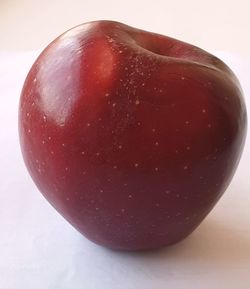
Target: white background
(38, 249)
(213, 24)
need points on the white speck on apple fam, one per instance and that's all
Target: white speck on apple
(110, 40)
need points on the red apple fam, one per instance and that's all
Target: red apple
(132, 136)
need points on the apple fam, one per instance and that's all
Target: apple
(132, 136)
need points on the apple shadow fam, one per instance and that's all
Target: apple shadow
(211, 244)
(215, 247)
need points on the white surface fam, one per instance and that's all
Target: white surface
(38, 249)
(212, 25)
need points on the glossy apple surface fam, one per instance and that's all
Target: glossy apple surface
(132, 136)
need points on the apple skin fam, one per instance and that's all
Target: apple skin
(132, 136)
